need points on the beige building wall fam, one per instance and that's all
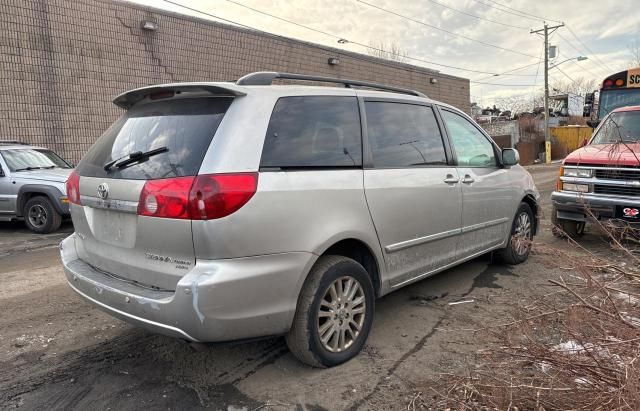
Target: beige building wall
(63, 61)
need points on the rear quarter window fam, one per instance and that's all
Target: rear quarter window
(185, 127)
(313, 131)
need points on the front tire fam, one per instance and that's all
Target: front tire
(334, 313)
(519, 244)
(40, 216)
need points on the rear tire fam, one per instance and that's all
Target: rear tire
(332, 325)
(40, 216)
(519, 244)
(565, 228)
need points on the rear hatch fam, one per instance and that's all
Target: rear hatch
(157, 146)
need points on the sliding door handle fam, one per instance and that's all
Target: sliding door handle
(450, 179)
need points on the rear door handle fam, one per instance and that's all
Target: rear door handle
(468, 179)
(450, 179)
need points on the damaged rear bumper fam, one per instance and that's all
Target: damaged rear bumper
(217, 300)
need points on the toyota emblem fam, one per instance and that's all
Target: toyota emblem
(103, 191)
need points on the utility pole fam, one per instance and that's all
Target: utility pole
(547, 137)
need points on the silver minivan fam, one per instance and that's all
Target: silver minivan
(231, 211)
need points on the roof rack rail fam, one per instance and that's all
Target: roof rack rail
(13, 142)
(265, 78)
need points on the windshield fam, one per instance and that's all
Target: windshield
(21, 159)
(619, 127)
(183, 128)
(613, 99)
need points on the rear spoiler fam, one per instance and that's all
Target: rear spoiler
(129, 98)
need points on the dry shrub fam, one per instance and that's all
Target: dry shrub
(577, 347)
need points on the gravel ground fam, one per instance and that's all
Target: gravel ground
(58, 352)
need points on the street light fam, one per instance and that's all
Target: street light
(547, 136)
(579, 58)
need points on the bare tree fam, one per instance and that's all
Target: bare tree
(391, 51)
(531, 102)
(516, 104)
(579, 86)
(634, 50)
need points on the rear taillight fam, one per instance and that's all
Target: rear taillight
(167, 198)
(204, 197)
(73, 188)
(218, 195)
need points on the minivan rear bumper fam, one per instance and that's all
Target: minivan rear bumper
(217, 300)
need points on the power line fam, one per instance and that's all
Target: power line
(598, 66)
(524, 13)
(596, 76)
(508, 72)
(321, 32)
(476, 16)
(505, 11)
(535, 81)
(502, 84)
(443, 30)
(588, 49)
(564, 74)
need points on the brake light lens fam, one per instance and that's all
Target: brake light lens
(167, 198)
(219, 195)
(73, 188)
(204, 197)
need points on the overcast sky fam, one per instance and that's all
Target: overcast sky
(604, 29)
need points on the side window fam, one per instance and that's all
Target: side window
(313, 131)
(403, 135)
(471, 146)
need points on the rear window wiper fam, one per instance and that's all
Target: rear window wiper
(134, 157)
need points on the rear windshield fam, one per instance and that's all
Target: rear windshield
(184, 127)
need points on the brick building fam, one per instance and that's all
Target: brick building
(62, 62)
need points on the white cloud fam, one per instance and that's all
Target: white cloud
(598, 26)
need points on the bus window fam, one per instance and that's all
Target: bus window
(613, 99)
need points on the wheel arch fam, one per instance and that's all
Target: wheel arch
(533, 203)
(359, 251)
(29, 191)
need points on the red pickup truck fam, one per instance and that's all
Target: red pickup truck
(601, 179)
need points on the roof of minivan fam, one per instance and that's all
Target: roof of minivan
(130, 97)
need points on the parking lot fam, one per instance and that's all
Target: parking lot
(58, 352)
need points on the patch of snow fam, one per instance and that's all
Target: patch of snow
(628, 298)
(572, 347)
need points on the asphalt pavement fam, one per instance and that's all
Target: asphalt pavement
(58, 352)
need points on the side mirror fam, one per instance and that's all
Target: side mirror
(592, 123)
(510, 157)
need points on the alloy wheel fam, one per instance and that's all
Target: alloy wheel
(37, 215)
(341, 314)
(522, 236)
